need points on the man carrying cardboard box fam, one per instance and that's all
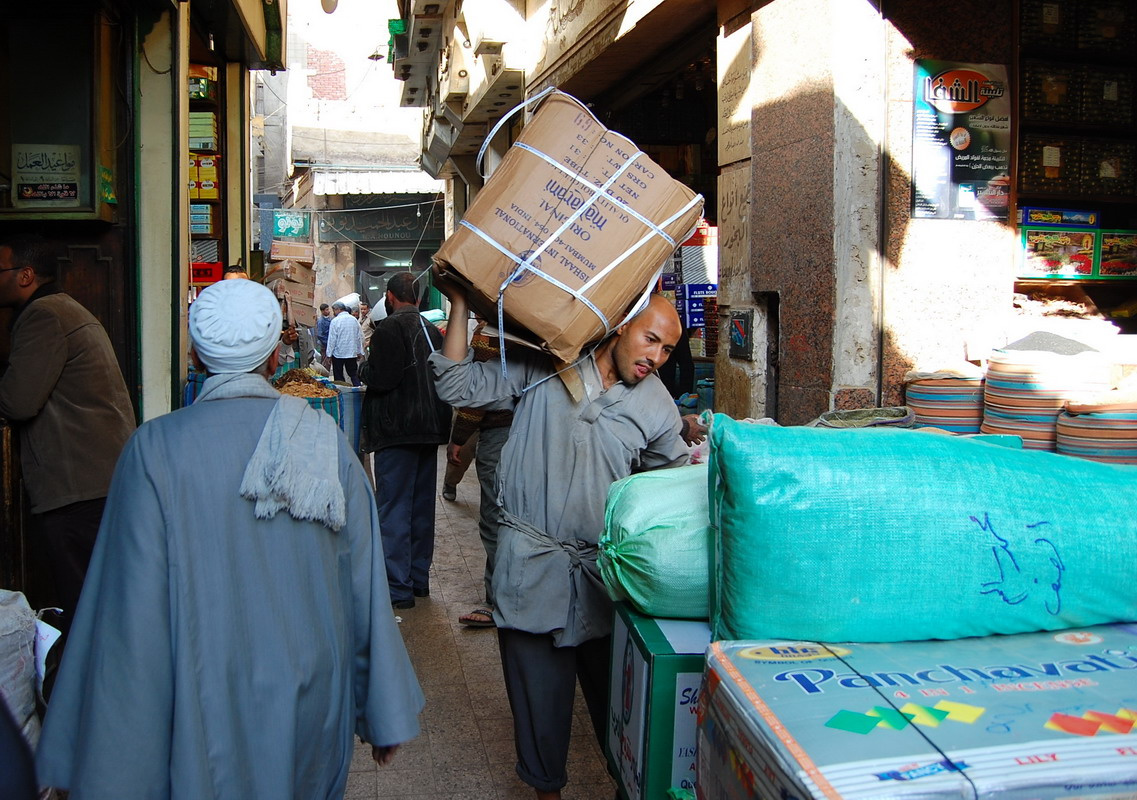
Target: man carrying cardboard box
(553, 614)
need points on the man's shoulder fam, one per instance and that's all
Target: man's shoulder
(56, 304)
(652, 396)
(60, 308)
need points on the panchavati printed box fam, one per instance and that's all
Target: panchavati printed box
(1038, 716)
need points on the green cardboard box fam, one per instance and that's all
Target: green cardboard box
(656, 669)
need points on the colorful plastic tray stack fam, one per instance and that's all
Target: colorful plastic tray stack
(953, 404)
(1025, 390)
(1104, 432)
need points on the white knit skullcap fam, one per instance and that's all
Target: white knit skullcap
(234, 325)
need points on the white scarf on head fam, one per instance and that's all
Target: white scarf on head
(295, 465)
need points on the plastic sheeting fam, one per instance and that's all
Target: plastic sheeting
(18, 662)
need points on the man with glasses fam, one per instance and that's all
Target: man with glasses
(64, 390)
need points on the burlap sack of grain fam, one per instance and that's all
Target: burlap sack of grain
(575, 222)
(655, 551)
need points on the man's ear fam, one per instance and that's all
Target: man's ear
(196, 359)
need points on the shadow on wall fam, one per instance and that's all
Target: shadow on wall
(864, 292)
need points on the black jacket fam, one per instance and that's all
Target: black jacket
(401, 406)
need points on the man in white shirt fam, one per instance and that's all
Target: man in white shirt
(345, 344)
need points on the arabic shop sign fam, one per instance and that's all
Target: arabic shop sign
(45, 175)
(380, 225)
(961, 141)
(294, 224)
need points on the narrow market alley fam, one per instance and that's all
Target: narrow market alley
(465, 750)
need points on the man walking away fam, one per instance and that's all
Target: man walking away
(65, 390)
(235, 633)
(345, 344)
(404, 423)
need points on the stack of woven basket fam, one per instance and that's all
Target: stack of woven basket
(1029, 382)
(948, 399)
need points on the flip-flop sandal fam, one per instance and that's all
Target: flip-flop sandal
(478, 618)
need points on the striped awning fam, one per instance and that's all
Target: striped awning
(375, 182)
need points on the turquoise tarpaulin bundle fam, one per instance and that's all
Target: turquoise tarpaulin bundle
(889, 535)
(655, 548)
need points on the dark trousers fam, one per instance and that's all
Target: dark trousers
(405, 481)
(540, 680)
(349, 365)
(490, 442)
(68, 537)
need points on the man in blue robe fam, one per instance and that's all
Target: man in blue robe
(235, 631)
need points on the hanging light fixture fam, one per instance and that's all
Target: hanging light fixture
(328, 5)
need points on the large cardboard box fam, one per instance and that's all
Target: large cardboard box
(293, 251)
(591, 216)
(299, 292)
(657, 666)
(290, 270)
(303, 314)
(1038, 715)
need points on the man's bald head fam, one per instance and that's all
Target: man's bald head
(661, 315)
(643, 344)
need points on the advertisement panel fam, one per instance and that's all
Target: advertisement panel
(961, 141)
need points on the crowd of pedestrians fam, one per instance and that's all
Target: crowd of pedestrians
(237, 630)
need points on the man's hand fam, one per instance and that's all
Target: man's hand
(383, 755)
(452, 451)
(692, 431)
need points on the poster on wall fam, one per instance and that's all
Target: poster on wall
(45, 175)
(961, 141)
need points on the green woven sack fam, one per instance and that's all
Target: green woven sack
(889, 535)
(655, 551)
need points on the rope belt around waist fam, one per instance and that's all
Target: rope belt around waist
(580, 552)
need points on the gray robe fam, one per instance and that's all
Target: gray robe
(555, 471)
(215, 655)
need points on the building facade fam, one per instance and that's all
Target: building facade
(797, 121)
(99, 151)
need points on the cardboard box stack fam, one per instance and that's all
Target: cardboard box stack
(203, 130)
(295, 282)
(591, 217)
(208, 177)
(201, 219)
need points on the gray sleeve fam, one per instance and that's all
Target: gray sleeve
(481, 384)
(667, 448)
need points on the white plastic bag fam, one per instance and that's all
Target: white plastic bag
(18, 662)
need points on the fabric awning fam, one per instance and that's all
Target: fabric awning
(374, 182)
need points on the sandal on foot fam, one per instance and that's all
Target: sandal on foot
(478, 618)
